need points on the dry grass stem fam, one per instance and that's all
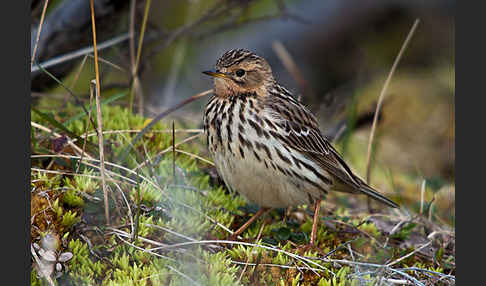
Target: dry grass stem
(131, 30)
(292, 68)
(382, 96)
(78, 72)
(81, 52)
(124, 152)
(195, 156)
(128, 180)
(87, 126)
(44, 9)
(70, 141)
(408, 255)
(70, 174)
(168, 149)
(422, 193)
(138, 130)
(100, 59)
(97, 86)
(248, 259)
(292, 255)
(136, 84)
(170, 231)
(173, 153)
(101, 147)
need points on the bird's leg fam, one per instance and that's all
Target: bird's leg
(242, 228)
(317, 208)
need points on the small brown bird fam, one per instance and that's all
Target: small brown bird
(266, 145)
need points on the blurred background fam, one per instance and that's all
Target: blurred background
(343, 51)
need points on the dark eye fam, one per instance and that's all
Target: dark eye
(240, 73)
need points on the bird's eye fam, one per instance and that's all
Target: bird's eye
(240, 73)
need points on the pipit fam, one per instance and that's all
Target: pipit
(267, 146)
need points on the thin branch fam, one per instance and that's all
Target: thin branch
(124, 152)
(422, 193)
(96, 84)
(382, 95)
(70, 141)
(131, 30)
(139, 52)
(38, 33)
(293, 69)
(78, 73)
(295, 256)
(158, 155)
(79, 53)
(195, 156)
(102, 153)
(173, 153)
(86, 132)
(410, 254)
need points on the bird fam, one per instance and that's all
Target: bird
(267, 146)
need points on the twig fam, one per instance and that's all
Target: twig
(128, 180)
(78, 72)
(167, 150)
(173, 154)
(77, 101)
(96, 84)
(136, 82)
(195, 156)
(183, 275)
(352, 257)
(44, 9)
(293, 69)
(170, 231)
(102, 153)
(150, 182)
(100, 59)
(248, 259)
(81, 52)
(120, 234)
(69, 174)
(431, 208)
(138, 130)
(70, 141)
(131, 30)
(422, 192)
(382, 95)
(295, 256)
(408, 255)
(124, 152)
(430, 271)
(87, 127)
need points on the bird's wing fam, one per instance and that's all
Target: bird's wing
(300, 132)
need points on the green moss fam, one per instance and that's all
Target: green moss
(183, 204)
(71, 199)
(34, 280)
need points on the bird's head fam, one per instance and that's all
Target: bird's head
(241, 71)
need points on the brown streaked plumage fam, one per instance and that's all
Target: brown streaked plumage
(266, 145)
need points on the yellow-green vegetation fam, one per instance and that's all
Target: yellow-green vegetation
(169, 217)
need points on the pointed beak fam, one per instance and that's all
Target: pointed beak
(215, 74)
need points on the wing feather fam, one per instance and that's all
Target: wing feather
(301, 133)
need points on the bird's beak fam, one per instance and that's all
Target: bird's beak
(215, 74)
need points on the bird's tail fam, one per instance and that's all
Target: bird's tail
(377, 196)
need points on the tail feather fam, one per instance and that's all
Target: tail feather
(377, 196)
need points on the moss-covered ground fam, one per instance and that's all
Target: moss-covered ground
(170, 216)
